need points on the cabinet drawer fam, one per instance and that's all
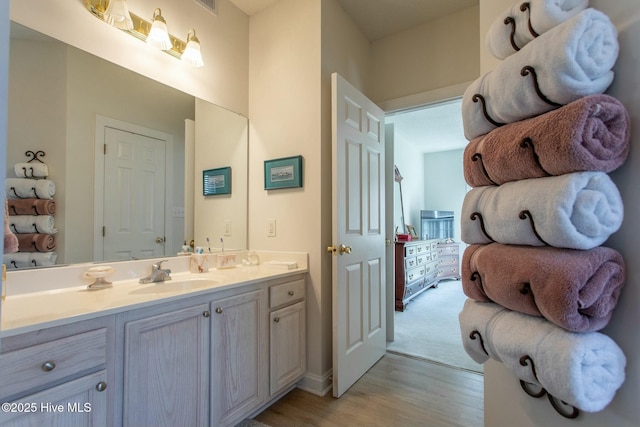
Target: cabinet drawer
(413, 289)
(286, 293)
(430, 267)
(414, 274)
(448, 261)
(410, 251)
(422, 249)
(31, 367)
(410, 262)
(448, 250)
(433, 246)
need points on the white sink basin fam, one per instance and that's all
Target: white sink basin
(174, 286)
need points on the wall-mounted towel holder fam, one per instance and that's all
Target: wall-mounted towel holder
(533, 390)
(523, 215)
(527, 144)
(525, 71)
(35, 155)
(509, 20)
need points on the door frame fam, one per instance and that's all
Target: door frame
(103, 122)
(410, 102)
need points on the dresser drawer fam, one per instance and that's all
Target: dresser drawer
(414, 274)
(444, 250)
(449, 271)
(433, 246)
(430, 267)
(286, 293)
(38, 365)
(410, 251)
(448, 261)
(410, 262)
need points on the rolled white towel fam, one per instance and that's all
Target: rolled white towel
(570, 61)
(582, 369)
(43, 224)
(578, 211)
(539, 16)
(31, 170)
(24, 188)
(30, 259)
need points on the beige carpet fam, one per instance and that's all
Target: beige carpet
(428, 328)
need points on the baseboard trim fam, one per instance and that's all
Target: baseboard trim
(319, 385)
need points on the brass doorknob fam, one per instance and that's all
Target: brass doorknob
(160, 239)
(342, 249)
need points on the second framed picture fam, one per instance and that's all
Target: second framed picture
(216, 181)
(283, 173)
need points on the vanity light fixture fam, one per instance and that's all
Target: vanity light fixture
(159, 34)
(117, 15)
(192, 53)
(145, 30)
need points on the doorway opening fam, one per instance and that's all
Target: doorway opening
(428, 151)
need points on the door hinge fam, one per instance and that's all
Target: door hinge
(104, 149)
(104, 231)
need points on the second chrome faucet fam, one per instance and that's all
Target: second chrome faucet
(158, 274)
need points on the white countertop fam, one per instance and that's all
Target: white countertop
(58, 305)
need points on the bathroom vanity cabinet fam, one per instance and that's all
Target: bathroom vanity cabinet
(60, 376)
(239, 356)
(211, 359)
(166, 367)
(287, 335)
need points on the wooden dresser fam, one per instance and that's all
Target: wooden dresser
(448, 260)
(416, 269)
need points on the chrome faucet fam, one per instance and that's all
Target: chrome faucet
(158, 274)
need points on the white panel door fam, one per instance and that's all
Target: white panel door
(359, 323)
(134, 194)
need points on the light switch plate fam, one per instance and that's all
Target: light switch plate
(227, 227)
(271, 228)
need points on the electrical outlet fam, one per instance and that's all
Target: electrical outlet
(271, 228)
(227, 227)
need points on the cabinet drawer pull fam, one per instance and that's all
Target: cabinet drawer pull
(276, 319)
(101, 386)
(48, 366)
(206, 313)
(291, 293)
(219, 310)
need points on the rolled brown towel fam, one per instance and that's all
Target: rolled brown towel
(576, 290)
(590, 134)
(31, 206)
(35, 242)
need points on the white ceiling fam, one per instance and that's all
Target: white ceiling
(431, 129)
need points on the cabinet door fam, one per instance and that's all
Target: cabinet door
(166, 369)
(80, 402)
(287, 346)
(238, 357)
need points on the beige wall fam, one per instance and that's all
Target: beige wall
(224, 41)
(440, 53)
(285, 112)
(505, 403)
(226, 144)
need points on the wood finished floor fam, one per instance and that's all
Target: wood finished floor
(398, 391)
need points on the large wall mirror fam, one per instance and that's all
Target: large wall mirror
(70, 104)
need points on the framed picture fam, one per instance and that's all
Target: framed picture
(412, 231)
(216, 181)
(283, 173)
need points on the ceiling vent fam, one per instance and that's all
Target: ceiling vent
(210, 5)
